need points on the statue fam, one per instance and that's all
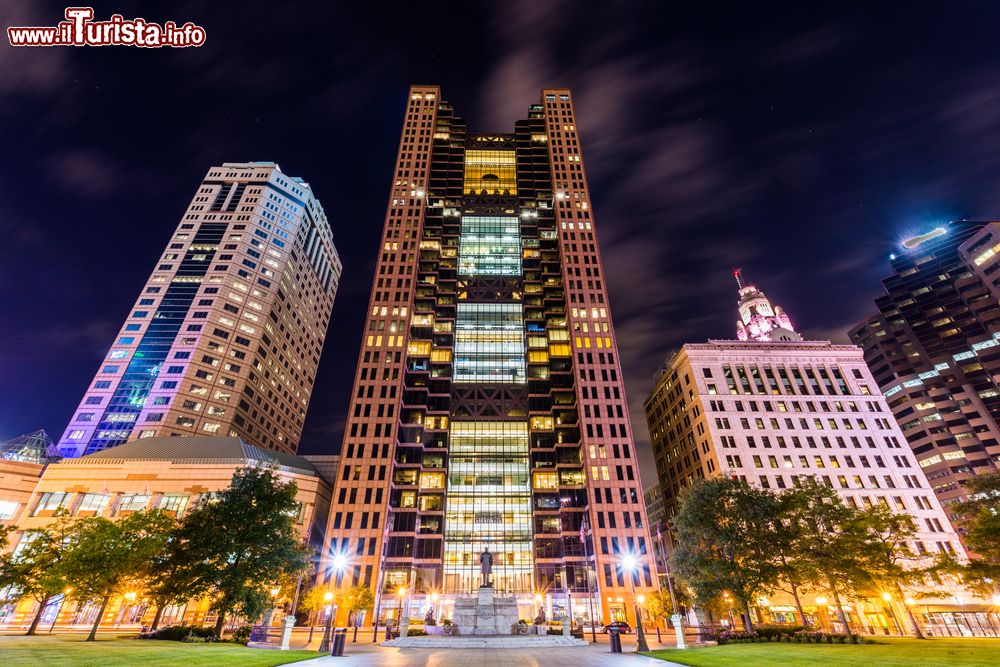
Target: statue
(486, 566)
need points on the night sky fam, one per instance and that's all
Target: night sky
(796, 141)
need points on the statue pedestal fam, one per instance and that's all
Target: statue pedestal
(486, 614)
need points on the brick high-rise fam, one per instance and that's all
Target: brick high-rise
(489, 408)
(225, 337)
(934, 348)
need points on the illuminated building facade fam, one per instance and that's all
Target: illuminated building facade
(934, 348)
(758, 319)
(169, 474)
(225, 337)
(489, 409)
(774, 412)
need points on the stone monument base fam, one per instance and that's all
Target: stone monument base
(485, 614)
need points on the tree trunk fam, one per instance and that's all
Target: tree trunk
(100, 617)
(798, 603)
(840, 610)
(747, 622)
(38, 616)
(909, 612)
(219, 622)
(156, 618)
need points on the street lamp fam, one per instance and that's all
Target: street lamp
(630, 565)
(324, 645)
(729, 603)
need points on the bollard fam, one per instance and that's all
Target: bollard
(339, 638)
(616, 641)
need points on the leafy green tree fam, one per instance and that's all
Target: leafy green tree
(36, 571)
(889, 556)
(171, 585)
(315, 598)
(830, 549)
(726, 541)
(359, 598)
(239, 542)
(659, 605)
(787, 534)
(106, 557)
(979, 521)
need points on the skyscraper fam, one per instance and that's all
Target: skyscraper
(488, 408)
(772, 412)
(225, 337)
(934, 348)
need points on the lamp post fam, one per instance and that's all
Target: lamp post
(269, 615)
(339, 563)
(399, 622)
(324, 645)
(729, 604)
(630, 564)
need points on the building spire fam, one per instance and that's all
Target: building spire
(758, 320)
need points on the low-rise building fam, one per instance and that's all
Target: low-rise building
(172, 474)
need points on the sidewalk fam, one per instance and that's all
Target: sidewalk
(595, 655)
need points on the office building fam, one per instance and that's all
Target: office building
(934, 349)
(773, 412)
(488, 408)
(225, 337)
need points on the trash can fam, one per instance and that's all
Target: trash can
(616, 640)
(339, 638)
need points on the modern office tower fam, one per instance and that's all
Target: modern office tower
(488, 407)
(758, 320)
(226, 336)
(934, 348)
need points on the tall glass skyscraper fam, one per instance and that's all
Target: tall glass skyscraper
(488, 409)
(934, 347)
(225, 337)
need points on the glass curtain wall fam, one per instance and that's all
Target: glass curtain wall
(489, 343)
(489, 505)
(489, 246)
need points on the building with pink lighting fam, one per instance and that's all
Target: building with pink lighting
(772, 412)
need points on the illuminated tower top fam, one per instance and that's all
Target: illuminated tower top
(758, 320)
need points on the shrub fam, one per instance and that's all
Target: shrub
(776, 631)
(241, 635)
(416, 632)
(180, 633)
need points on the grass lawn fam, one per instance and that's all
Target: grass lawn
(110, 650)
(886, 653)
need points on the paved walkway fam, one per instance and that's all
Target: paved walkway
(584, 656)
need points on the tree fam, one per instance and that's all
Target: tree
(890, 558)
(659, 605)
(979, 521)
(830, 542)
(105, 557)
(36, 571)
(726, 541)
(787, 534)
(359, 598)
(240, 541)
(315, 598)
(172, 584)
